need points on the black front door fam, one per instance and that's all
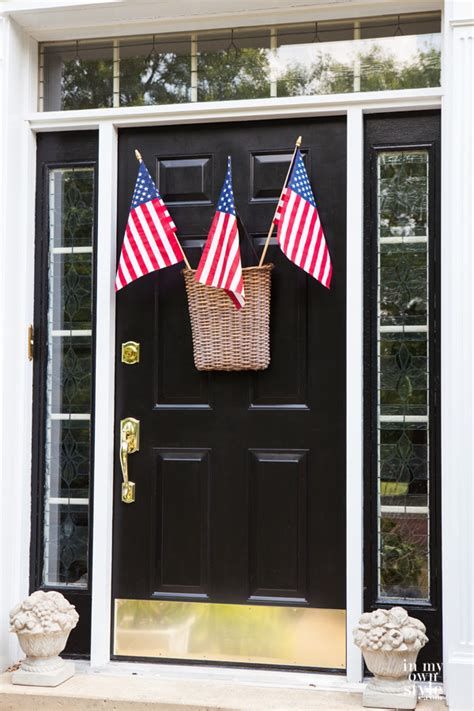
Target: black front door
(240, 477)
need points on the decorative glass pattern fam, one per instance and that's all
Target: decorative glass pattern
(403, 396)
(371, 54)
(69, 377)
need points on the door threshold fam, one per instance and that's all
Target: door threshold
(113, 689)
(277, 678)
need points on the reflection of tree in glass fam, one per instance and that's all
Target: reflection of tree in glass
(238, 73)
(162, 78)
(378, 70)
(86, 83)
(234, 74)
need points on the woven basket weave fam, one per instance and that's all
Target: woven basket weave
(225, 338)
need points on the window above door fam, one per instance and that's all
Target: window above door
(329, 57)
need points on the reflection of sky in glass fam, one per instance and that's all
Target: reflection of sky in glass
(404, 48)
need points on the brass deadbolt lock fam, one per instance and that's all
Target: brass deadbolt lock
(130, 352)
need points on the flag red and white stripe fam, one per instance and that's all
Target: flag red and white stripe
(220, 264)
(300, 233)
(150, 241)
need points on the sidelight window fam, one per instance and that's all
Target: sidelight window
(403, 366)
(68, 387)
(330, 57)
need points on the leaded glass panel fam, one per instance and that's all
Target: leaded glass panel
(66, 545)
(72, 290)
(68, 376)
(403, 369)
(69, 459)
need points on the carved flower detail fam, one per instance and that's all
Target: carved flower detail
(389, 630)
(43, 612)
(378, 618)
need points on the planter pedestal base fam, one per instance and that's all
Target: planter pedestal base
(388, 694)
(44, 678)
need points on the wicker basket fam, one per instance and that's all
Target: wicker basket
(225, 338)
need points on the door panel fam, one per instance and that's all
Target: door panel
(240, 478)
(181, 535)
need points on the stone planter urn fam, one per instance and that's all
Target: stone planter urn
(42, 623)
(390, 641)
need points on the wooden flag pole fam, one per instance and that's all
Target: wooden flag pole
(272, 226)
(139, 158)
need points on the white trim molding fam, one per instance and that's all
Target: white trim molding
(354, 388)
(17, 201)
(242, 110)
(104, 397)
(457, 353)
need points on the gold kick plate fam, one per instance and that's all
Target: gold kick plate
(130, 352)
(129, 443)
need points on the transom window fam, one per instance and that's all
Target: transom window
(371, 54)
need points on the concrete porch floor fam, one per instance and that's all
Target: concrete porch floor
(108, 692)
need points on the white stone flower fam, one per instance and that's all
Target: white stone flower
(379, 618)
(389, 630)
(43, 612)
(398, 616)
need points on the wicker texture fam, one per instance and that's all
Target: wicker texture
(225, 338)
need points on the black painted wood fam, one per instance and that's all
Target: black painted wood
(54, 150)
(240, 478)
(417, 129)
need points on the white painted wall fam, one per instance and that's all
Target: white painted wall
(457, 353)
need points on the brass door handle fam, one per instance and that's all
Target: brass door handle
(129, 443)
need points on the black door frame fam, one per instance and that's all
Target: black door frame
(58, 150)
(420, 129)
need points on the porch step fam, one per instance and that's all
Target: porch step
(89, 692)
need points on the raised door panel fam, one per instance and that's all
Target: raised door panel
(177, 383)
(185, 180)
(181, 521)
(278, 525)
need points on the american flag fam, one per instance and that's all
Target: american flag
(220, 264)
(300, 233)
(150, 241)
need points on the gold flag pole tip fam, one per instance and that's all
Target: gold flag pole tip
(299, 141)
(138, 156)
